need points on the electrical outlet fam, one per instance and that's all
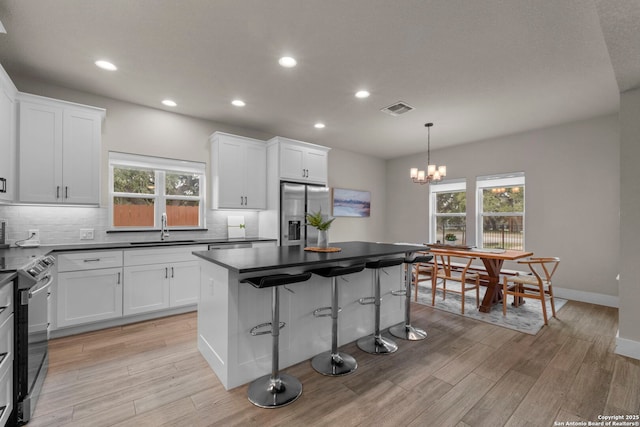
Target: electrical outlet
(34, 234)
(86, 234)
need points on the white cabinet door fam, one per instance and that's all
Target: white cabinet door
(7, 144)
(146, 288)
(238, 172)
(40, 153)
(81, 157)
(316, 166)
(230, 173)
(255, 177)
(292, 162)
(89, 296)
(184, 288)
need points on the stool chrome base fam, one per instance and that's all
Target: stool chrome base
(334, 365)
(268, 393)
(407, 332)
(377, 345)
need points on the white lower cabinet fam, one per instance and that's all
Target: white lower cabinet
(98, 286)
(156, 287)
(184, 287)
(89, 287)
(89, 296)
(147, 289)
(160, 278)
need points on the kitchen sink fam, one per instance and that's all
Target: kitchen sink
(164, 243)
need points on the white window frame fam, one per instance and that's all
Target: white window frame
(515, 179)
(442, 187)
(160, 166)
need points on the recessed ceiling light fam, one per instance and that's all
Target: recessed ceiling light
(169, 103)
(106, 65)
(362, 94)
(319, 125)
(287, 62)
(238, 103)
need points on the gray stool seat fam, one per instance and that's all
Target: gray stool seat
(334, 363)
(276, 389)
(376, 343)
(404, 330)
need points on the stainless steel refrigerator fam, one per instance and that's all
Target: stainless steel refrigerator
(296, 200)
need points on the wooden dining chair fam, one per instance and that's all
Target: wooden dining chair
(457, 271)
(536, 285)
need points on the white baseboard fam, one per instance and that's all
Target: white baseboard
(582, 296)
(629, 348)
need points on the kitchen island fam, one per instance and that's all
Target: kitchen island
(228, 308)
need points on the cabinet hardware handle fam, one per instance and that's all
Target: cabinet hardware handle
(66, 192)
(240, 200)
(172, 272)
(245, 201)
(166, 272)
(57, 191)
(91, 260)
(3, 181)
(118, 282)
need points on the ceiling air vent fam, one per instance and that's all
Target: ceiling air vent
(397, 108)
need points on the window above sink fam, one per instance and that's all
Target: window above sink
(142, 188)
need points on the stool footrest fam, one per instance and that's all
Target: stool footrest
(399, 293)
(367, 300)
(318, 312)
(255, 331)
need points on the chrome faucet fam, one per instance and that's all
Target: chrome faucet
(164, 230)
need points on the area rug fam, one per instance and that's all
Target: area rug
(526, 318)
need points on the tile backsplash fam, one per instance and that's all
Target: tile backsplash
(61, 225)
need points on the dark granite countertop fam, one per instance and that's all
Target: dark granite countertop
(260, 259)
(12, 258)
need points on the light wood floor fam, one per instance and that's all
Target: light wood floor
(466, 373)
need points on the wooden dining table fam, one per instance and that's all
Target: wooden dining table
(492, 260)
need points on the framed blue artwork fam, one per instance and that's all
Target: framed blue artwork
(354, 203)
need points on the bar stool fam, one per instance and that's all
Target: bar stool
(276, 389)
(406, 331)
(376, 343)
(334, 363)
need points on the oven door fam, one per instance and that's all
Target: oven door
(35, 366)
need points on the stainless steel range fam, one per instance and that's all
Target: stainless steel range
(32, 333)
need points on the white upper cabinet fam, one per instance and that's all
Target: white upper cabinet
(59, 151)
(7, 137)
(301, 161)
(238, 172)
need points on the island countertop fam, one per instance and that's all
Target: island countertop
(267, 258)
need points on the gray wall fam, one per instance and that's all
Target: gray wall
(359, 172)
(572, 196)
(630, 220)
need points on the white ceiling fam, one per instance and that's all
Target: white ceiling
(476, 68)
